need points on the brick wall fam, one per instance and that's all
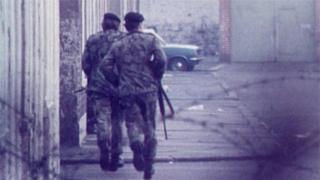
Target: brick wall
(181, 21)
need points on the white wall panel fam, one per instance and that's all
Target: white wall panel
(29, 89)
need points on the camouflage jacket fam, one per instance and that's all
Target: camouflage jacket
(138, 60)
(97, 46)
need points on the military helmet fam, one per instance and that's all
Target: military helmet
(111, 16)
(134, 17)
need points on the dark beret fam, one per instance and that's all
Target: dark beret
(111, 16)
(133, 17)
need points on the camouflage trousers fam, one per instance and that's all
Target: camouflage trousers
(91, 119)
(140, 112)
(109, 120)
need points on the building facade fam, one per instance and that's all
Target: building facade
(29, 80)
(269, 30)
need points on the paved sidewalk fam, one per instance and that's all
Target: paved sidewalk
(218, 119)
(209, 125)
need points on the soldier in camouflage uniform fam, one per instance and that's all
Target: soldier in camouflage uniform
(103, 92)
(139, 61)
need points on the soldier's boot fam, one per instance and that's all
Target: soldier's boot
(149, 156)
(120, 162)
(116, 162)
(138, 160)
(104, 156)
(148, 170)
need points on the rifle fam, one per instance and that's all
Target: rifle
(161, 94)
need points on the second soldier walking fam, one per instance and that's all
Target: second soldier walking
(139, 61)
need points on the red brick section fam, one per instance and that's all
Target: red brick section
(225, 30)
(317, 30)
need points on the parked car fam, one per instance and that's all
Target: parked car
(181, 57)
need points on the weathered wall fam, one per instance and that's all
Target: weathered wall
(225, 30)
(184, 21)
(71, 104)
(273, 30)
(29, 103)
(121, 7)
(317, 31)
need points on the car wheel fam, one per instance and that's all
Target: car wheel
(178, 64)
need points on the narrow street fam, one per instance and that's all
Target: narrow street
(248, 111)
(184, 171)
(216, 133)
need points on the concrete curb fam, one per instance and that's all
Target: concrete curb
(175, 160)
